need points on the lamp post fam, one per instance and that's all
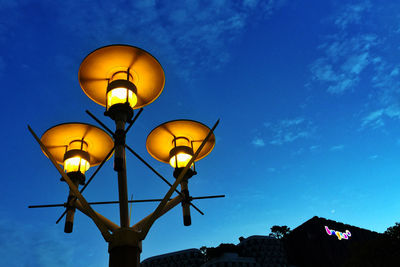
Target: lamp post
(123, 78)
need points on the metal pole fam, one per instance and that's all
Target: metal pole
(125, 246)
(186, 203)
(120, 167)
(69, 220)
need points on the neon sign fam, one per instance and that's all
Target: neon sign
(339, 235)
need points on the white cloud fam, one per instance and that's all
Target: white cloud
(359, 51)
(376, 118)
(290, 130)
(344, 60)
(337, 148)
(295, 121)
(373, 157)
(352, 14)
(258, 142)
(193, 34)
(24, 245)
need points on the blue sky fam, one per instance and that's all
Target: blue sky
(307, 92)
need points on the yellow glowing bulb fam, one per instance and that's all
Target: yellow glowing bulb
(182, 159)
(119, 96)
(75, 164)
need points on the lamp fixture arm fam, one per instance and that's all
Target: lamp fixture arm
(108, 223)
(158, 174)
(100, 122)
(139, 226)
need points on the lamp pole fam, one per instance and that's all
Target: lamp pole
(120, 168)
(123, 78)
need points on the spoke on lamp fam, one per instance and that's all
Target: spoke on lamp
(159, 175)
(100, 122)
(133, 121)
(116, 202)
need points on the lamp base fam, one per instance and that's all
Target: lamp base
(121, 111)
(188, 174)
(124, 256)
(125, 248)
(76, 178)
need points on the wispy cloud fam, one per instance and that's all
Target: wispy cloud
(290, 130)
(373, 157)
(351, 14)
(337, 148)
(25, 245)
(375, 119)
(344, 60)
(193, 34)
(357, 52)
(258, 142)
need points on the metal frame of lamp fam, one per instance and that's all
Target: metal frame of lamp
(76, 146)
(122, 78)
(174, 142)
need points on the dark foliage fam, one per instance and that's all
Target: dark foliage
(279, 232)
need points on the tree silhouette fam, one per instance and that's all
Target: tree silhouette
(279, 232)
(393, 232)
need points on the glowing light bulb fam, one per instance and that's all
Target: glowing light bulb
(119, 96)
(76, 159)
(181, 154)
(75, 164)
(120, 92)
(181, 158)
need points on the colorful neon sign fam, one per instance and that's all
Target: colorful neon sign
(339, 235)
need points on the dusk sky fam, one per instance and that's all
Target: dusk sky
(308, 93)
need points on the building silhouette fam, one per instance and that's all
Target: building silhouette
(325, 243)
(254, 251)
(317, 242)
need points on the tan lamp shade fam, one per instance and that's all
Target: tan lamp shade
(180, 139)
(77, 146)
(121, 62)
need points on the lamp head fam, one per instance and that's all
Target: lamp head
(77, 146)
(175, 142)
(121, 78)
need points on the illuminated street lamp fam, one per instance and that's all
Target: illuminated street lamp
(123, 78)
(76, 146)
(173, 142)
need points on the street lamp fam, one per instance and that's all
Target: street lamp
(76, 146)
(173, 142)
(123, 78)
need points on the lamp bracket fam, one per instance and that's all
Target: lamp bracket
(76, 177)
(189, 174)
(121, 111)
